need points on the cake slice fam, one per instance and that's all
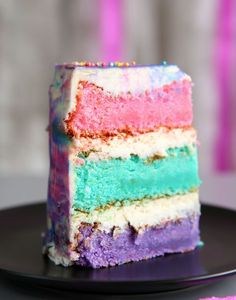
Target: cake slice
(123, 182)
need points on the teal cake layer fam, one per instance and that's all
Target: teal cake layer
(98, 183)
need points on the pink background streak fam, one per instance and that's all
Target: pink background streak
(111, 29)
(224, 62)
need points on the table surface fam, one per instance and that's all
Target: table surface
(218, 190)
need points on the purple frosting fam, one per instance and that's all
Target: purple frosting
(100, 249)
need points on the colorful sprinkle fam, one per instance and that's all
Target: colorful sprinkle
(104, 65)
(200, 244)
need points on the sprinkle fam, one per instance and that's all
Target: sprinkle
(200, 244)
(104, 65)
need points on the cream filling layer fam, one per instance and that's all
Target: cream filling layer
(143, 145)
(139, 214)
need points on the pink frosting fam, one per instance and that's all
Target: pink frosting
(99, 112)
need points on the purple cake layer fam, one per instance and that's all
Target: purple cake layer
(100, 249)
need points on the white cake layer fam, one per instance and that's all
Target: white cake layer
(143, 145)
(139, 214)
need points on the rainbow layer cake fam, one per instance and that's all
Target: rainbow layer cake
(123, 182)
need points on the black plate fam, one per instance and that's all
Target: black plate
(20, 256)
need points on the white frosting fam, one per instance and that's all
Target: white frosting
(57, 257)
(147, 212)
(134, 80)
(143, 145)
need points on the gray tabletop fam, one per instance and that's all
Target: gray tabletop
(216, 190)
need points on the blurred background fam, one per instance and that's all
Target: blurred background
(199, 36)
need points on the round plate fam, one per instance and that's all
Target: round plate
(21, 243)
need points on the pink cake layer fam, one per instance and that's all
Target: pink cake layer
(98, 112)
